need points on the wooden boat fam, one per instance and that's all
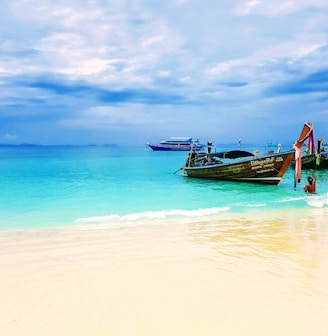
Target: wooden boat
(315, 161)
(318, 160)
(177, 144)
(243, 166)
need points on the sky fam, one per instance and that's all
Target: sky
(128, 72)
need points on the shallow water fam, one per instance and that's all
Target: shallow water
(50, 186)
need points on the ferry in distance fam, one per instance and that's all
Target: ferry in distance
(177, 144)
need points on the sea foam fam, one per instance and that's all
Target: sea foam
(152, 215)
(317, 201)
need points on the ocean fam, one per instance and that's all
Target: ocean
(47, 186)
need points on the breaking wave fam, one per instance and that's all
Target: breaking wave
(155, 215)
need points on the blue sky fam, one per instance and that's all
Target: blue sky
(128, 72)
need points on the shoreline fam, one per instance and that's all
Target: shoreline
(173, 217)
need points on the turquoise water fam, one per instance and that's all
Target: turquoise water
(51, 186)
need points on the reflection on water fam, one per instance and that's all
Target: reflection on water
(291, 247)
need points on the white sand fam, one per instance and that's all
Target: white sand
(224, 277)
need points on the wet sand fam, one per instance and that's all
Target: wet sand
(246, 275)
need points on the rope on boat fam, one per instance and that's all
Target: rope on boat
(178, 170)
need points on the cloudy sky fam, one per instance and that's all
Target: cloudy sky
(132, 71)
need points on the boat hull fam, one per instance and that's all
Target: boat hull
(264, 170)
(310, 162)
(174, 147)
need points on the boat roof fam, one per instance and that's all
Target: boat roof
(180, 138)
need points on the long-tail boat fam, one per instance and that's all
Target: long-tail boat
(243, 166)
(314, 158)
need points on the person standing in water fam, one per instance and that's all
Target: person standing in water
(310, 187)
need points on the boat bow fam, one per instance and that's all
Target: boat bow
(307, 131)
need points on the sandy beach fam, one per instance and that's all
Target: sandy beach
(223, 276)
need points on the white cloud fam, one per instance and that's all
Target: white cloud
(276, 7)
(96, 42)
(108, 117)
(9, 137)
(271, 57)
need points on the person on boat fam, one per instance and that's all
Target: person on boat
(191, 159)
(310, 187)
(209, 147)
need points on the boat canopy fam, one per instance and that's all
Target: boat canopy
(233, 154)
